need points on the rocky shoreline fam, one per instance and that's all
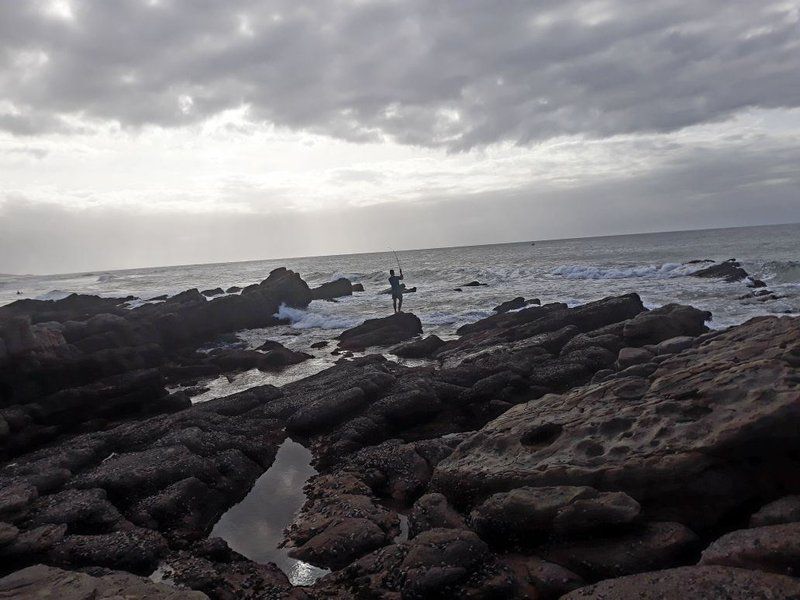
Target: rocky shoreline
(597, 451)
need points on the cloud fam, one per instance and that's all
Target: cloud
(694, 188)
(452, 74)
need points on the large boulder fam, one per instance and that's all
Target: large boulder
(697, 583)
(421, 348)
(729, 271)
(333, 289)
(386, 331)
(774, 548)
(709, 431)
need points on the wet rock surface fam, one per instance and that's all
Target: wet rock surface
(544, 450)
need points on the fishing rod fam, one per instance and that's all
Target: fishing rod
(398, 260)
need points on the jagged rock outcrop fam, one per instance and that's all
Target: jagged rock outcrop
(729, 271)
(333, 289)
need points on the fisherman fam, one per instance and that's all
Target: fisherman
(397, 290)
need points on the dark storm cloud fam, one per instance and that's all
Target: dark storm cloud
(456, 73)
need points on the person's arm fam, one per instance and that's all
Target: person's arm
(401, 273)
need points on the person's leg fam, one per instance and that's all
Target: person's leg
(400, 304)
(394, 303)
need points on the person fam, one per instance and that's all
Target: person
(397, 290)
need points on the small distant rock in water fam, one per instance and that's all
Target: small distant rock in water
(699, 261)
(403, 288)
(358, 287)
(233, 289)
(516, 303)
(729, 271)
(212, 293)
(755, 283)
(457, 290)
(333, 289)
(475, 284)
(318, 345)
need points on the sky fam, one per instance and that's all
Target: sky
(158, 132)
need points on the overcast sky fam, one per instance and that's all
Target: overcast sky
(152, 132)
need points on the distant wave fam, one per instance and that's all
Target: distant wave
(303, 319)
(782, 271)
(663, 271)
(53, 295)
(106, 277)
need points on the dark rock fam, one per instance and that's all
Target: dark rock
(729, 271)
(421, 348)
(674, 345)
(334, 289)
(672, 441)
(41, 581)
(358, 287)
(525, 514)
(233, 289)
(702, 583)
(15, 500)
(541, 579)
(135, 550)
(772, 548)
(8, 533)
(654, 546)
(666, 322)
(211, 293)
(514, 304)
(432, 511)
(755, 283)
(784, 510)
(81, 510)
(474, 284)
(632, 356)
(381, 332)
(33, 544)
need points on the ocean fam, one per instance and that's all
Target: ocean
(574, 271)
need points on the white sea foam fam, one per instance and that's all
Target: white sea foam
(304, 319)
(106, 277)
(653, 271)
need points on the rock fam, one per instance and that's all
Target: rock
(230, 578)
(8, 533)
(432, 511)
(276, 358)
(136, 550)
(784, 510)
(729, 271)
(772, 548)
(628, 357)
(541, 579)
(381, 332)
(514, 304)
(211, 293)
(334, 289)
(421, 348)
(18, 336)
(358, 287)
(45, 583)
(674, 345)
(318, 345)
(80, 509)
(690, 442)
(15, 500)
(654, 546)
(525, 514)
(33, 544)
(697, 583)
(663, 323)
(752, 282)
(474, 284)
(326, 411)
(336, 546)
(457, 290)
(234, 289)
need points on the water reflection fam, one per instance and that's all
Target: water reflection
(254, 527)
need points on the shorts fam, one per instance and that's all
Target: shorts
(397, 295)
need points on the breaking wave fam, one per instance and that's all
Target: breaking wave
(53, 295)
(782, 271)
(106, 278)
(303, 319)
(663, 271)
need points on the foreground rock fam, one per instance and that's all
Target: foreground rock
(48, 582)
(671, 440)
(700, 583)
(381, 332)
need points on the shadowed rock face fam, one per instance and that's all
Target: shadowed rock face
(710, 428)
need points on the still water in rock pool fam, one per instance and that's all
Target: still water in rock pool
(254, 527)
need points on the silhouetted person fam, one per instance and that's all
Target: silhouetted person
(397, 290)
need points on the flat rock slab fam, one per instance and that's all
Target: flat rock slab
(783, 510)
(49, 583)
(697, 583)
(381, 332)
(708, 430)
